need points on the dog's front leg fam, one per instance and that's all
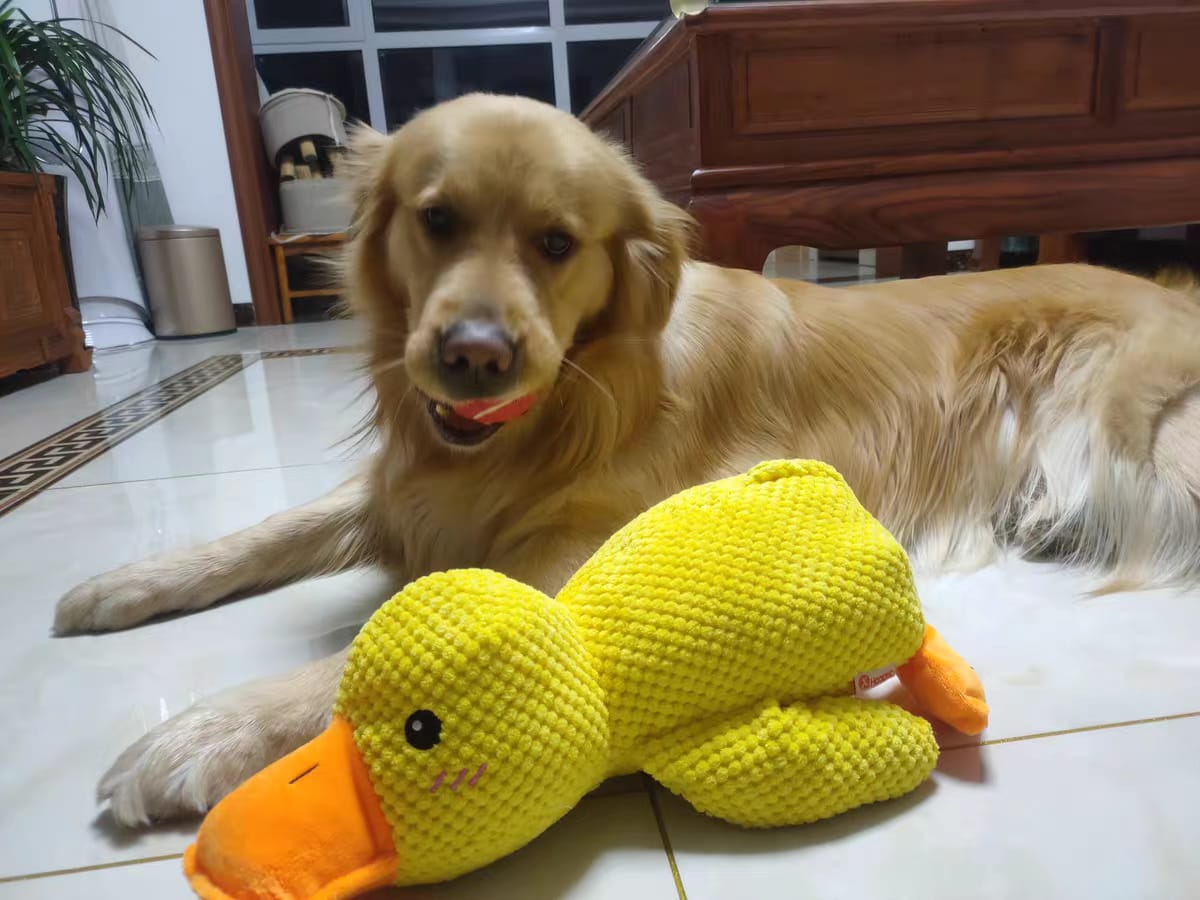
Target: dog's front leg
(188, 763)
(322, 537)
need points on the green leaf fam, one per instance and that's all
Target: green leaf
(66, 98)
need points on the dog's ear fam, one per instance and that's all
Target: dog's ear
(648, 259)
(369, 290)
(365, 167)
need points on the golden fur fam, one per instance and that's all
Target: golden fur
(1053, 409)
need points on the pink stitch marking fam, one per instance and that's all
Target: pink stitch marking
(437, 782)
(458, 780)
(477, 775)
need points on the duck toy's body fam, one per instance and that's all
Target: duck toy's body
(712, 643)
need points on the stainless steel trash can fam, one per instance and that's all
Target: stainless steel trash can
(188, 289)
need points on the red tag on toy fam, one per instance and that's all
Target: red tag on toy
(490, 411)
(865, 681)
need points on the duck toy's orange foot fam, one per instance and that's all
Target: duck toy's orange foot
(944, 685)
(475, 711)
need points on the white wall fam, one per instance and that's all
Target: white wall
(189, 144)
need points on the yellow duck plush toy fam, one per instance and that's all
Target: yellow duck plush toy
(713, 643)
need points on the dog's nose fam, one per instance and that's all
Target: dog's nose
(477, 358)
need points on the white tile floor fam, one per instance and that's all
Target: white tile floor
(1031, 812)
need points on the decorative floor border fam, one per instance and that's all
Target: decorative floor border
(28, 472)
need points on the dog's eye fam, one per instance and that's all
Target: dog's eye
(439, 221)
(557, 244)
(423, 729)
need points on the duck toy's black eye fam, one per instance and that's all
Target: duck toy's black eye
(423, 729)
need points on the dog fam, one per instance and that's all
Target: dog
(505, 255)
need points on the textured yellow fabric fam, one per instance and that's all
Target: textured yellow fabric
(503, 668)
(774, 584)
(708, 642)
(791, 765)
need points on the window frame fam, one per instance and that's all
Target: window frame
(352, 33)
(360, 34)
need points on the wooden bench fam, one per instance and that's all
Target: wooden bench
(285, 245)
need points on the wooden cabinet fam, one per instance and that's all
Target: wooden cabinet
(843, 124)
(38, 323)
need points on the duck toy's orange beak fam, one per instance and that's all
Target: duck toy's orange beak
(310, 825)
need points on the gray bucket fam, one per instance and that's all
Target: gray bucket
(186, 281)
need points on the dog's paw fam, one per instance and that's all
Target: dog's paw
(185, 765)
(113, 601)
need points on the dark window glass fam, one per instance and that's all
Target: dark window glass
(301, 13)
(415, 79)
(593, 64)
(584, 12)
(424, 15)
(337, 72)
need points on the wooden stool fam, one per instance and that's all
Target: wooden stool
(285, 245)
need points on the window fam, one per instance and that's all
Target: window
(593, 64)
(336, 72)
(442, 15)
(386, 59)
(587, 12)
(417, 78)
(301, 13)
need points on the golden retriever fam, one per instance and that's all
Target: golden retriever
(507, 257)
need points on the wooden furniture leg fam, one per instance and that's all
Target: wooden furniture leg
(919, 260)
(80, 359)
(887, 261)
(285, 289)
(986, 254)
(1062, 247)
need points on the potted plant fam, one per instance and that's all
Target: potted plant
(64, 100)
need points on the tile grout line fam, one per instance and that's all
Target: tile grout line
(618, 790)
(652, 793)
(63, 446)
(97, 867)
(1082, 729)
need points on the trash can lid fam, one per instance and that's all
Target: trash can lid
(172, 232)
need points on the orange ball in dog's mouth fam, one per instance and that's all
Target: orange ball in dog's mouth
(494, 412)
(474, 421)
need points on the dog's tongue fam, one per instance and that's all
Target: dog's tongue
(494, 412)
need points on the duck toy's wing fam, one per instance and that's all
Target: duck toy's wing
(795, 763)
(778, 765)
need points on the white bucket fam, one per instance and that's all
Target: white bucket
(299, 113)
(316, 205)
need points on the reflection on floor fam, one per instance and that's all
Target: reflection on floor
(1085, 785)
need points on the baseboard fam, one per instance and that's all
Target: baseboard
(243, 314)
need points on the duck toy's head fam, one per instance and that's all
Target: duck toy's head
(468, 720)
(475, 711)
